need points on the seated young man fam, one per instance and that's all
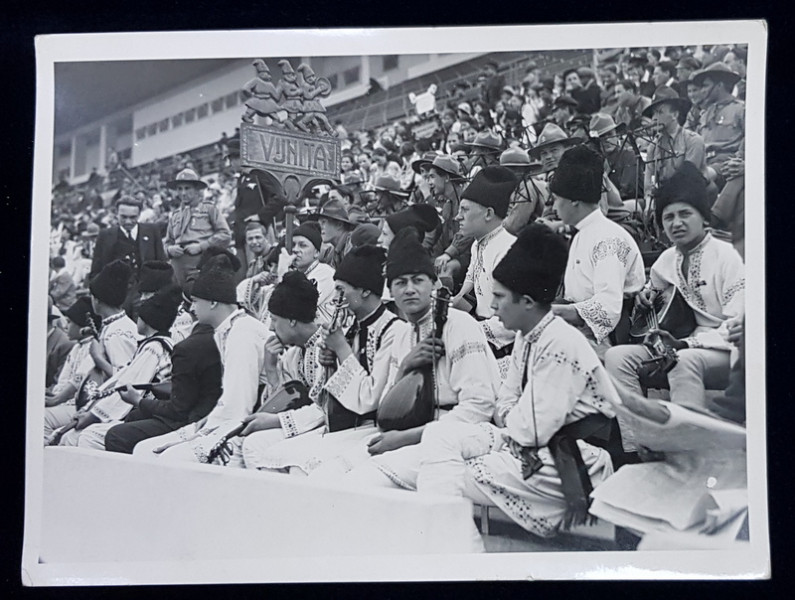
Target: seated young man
(246, 368)
(297, 338)
(556, 393)
(484, 205)
(60, 401)
(357, 384)
(465, 370)
(710, 276)
(151, 363)
(195, 388)
(117, 340)
(604, 266)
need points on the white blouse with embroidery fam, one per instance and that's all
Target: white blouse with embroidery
(467, 375)
(302, 364)
(604, 267)
(565, 382)
(241, 344)
(358, 389)
(714, 288)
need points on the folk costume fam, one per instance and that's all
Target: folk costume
(195, 388)
(713, 287)
(466, 378)
(241, 344)
(295, 297)
(491, 187)
(604, 267)
(76, 367)
(359, 381)
(151, 363)
(555, 380)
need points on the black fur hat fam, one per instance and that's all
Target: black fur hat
(407, 256)
(492, 187)
(110, 284)
(154, 275)
(216, 280)
(160, 310)
(578, 176)
(363, 267)
(212, 251)
(81, 311)
(535, 264)
(295, 297)
(687, 185)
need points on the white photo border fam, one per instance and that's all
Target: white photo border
(752, 563)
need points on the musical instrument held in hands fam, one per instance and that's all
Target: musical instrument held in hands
(412, 400)
(669, 312)
(338, 417)
(290, 396)
(94, 396)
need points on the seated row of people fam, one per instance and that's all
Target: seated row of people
(509, 436)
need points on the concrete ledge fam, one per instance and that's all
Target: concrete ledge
(104, 508)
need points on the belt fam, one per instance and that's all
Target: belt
(575, 482)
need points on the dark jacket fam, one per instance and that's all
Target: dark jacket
(112, 245)
(195, 381)
(58, 346)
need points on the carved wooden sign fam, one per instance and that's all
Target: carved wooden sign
(284, 151)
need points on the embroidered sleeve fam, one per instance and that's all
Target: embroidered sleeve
(298, 421)
(474, 375)
(120, 346)
(599, 321)
(602, 311)
(467, 348)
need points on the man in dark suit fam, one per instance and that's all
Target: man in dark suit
(129, 240)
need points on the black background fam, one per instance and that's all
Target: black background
(21, 20)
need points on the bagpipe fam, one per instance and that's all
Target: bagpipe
(670, 312)
(412, 400)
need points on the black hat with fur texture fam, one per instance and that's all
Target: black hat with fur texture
(294, 297)
(110, 284)
(535, 264)
(578, 176)
(687, 185)
(363, 267)
(216, 281)
(407, 256)
(160, 310)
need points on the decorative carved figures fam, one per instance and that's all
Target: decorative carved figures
(293, 103)
(314, 111)
(264, 96)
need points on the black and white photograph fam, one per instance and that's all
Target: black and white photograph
(347, 305)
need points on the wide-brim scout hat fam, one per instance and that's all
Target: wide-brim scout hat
(550, 135)
(426, 160)
(187, 176)
(91, 231)
(719, 71)
(333, 209)
(488, 140)
(565, 100)
(515, 157)
(601, 124)
(385, 183)
(449, 165)
(667, 95)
